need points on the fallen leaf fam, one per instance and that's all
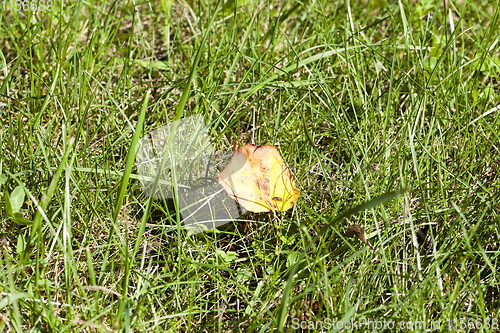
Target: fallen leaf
(258, 179)
(356, 230)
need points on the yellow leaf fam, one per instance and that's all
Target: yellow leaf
(258, 179)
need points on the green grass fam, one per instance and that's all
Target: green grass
(361, 99)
